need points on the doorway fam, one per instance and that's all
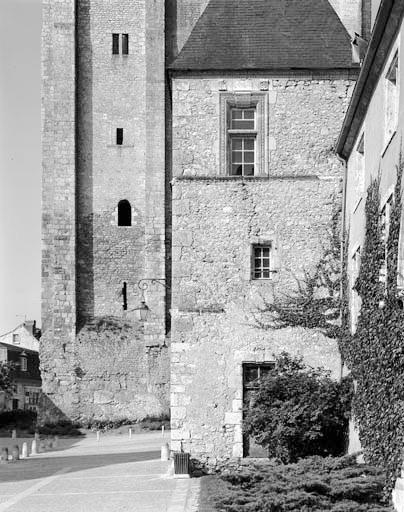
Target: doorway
(252, 376)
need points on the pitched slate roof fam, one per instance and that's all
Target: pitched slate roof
(266, 34)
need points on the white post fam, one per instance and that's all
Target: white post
(98, 435)
(130, 433)
(162, 430)
(34, 450)
(14, 434)
(24, 451)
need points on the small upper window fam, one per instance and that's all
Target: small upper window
(115, 44)
(119, 136)
(261, 264)
(125, 44)
(120, 44)
(124, 213)
(16, 339)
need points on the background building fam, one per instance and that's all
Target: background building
(20, 347)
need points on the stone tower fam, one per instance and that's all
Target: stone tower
(103, 208)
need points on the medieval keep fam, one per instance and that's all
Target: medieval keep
(188, 176)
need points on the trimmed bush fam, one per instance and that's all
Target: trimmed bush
(298, 411)
(314, 484)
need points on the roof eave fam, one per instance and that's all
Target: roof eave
(382, 38)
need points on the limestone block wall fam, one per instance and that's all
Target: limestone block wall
(304, 114)
(217, 218)
(214, 298)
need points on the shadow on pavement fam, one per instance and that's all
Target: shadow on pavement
(30, 469)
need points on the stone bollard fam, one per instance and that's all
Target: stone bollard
(165, 452)
(4, 455)
(98, 435)
(34, 450)
(15, 452)
(24, 451)
(130, 433)
(14, 434)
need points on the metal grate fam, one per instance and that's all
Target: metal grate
(181, 463)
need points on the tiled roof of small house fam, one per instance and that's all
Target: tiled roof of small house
(266, 34)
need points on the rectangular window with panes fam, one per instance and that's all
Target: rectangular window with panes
(391, 98)
(261, 262)
(242, 137)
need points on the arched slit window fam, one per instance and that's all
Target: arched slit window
(124, 213)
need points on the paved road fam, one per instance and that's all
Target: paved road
(116, 474)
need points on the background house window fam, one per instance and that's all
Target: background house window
(16, 339)
(261, 262)
(391, 99)
(242, 138)
(124, 213)
(23, 362)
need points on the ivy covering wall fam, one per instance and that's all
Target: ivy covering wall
(375, 352)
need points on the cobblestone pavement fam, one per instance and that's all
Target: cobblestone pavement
(115, 474)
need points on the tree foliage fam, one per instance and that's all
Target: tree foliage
(298, 411)
(6, 377)
(375, 352)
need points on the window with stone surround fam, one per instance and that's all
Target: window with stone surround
(120, 44)
(391, 98)
(124, 213)
(242, 134)
(262, 265)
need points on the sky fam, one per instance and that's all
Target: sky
(20, 162)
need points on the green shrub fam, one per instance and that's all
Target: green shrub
(298, 411)
(313, 484)
(22, 420)
(62, 428)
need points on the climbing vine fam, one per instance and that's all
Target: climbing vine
(315, 302)
(375, 352)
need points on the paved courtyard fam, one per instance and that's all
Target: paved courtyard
(115, 474)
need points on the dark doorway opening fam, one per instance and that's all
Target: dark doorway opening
(253, 373)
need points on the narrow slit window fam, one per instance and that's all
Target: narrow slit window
(125, 44)
(124, 297)
(119, 136)
(115, 44)
(124, 213)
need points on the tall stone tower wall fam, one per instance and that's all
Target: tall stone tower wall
(89, 260)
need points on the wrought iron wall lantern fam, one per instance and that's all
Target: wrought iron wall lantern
(143, 285)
